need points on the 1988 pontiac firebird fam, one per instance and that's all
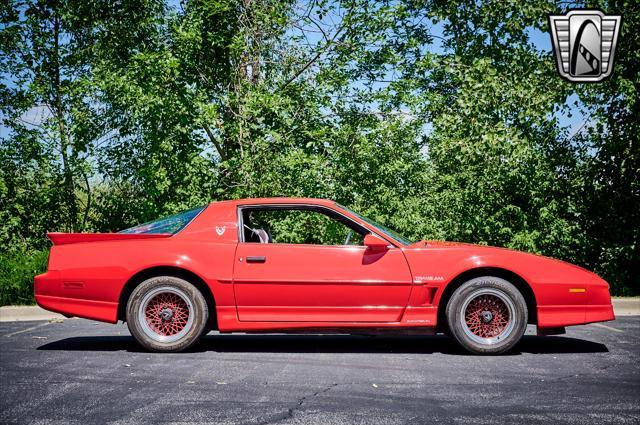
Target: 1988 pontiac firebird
(294, 265)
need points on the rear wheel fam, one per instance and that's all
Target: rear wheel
(166, 313)
(487, 315)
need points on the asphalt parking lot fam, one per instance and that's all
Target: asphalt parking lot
(79, 371)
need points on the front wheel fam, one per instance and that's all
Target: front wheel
(487, 315)
(166, 313)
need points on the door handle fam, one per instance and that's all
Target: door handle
(256, 259)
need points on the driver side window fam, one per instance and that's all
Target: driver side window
(299, 226)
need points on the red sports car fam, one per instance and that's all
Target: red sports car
(283, 264)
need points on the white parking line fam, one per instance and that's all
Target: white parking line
(600, 325)
(27, 330)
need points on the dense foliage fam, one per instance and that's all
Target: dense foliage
(437, 118)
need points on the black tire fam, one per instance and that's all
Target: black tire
(166, 313)
(487, 315)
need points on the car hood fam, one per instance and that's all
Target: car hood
(453, 244)
(497, 256)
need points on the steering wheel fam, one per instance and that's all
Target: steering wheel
(348, 238)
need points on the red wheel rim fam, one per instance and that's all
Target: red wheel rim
(167, 314)
(487, 316)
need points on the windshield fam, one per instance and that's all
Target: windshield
(172, 224)
(382, 229)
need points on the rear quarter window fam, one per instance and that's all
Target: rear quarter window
(172, 224)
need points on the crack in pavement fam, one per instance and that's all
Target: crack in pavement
(9, 335)
(291, 411)
(597, 374)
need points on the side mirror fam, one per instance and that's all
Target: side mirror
(375, 242)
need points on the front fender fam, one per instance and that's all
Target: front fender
(565, 294)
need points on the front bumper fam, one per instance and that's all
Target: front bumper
(577, 304)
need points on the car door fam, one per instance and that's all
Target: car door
(324, 281)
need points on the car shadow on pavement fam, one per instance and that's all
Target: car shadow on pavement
(242, 343)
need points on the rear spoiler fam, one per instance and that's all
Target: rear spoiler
(69, 238)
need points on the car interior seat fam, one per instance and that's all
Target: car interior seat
(256, 235)
(263, 235)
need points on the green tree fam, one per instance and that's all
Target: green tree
(437, 118)
(608, 179)
(51, 108)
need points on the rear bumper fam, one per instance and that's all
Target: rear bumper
(48, 288)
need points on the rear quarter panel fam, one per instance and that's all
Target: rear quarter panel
(98, 272)
(86, 279)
